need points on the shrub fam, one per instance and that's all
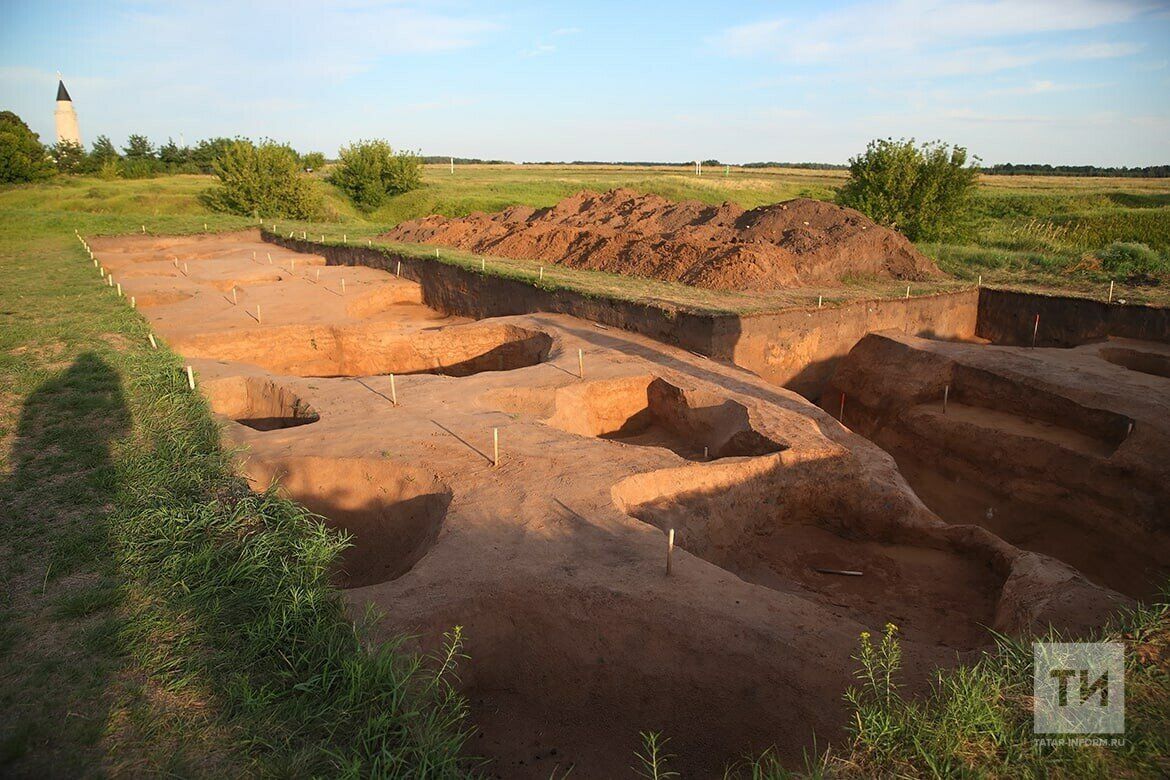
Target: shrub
(1132, 261)
(261, 180)
(22, 157)
(924, 191)
(313, 160)
(110, 170)
(68, 156)
(101, 154)
(207, 151)
(370, 171)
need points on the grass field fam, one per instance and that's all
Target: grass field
(156, 618)
(1028, 232)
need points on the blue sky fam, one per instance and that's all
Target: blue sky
(1058, 81)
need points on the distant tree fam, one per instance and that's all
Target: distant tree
(312, 161)
(69, 156)
(140, 159)
(712, 163)
(110, 169)
(138, 147)
(172, 156)
(262, 180)
(923, 191)
(208, 151)
(101, 153)
(22, 156)
(370, 171)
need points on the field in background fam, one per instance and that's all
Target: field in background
(1030, 232)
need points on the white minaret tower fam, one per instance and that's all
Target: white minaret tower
(67, 128)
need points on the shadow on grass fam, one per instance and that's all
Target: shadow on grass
(59, 642)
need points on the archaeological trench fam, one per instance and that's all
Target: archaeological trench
(976, 482)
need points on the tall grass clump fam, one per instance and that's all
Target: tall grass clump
(976, 719)
(1132, 260)
(235, 608)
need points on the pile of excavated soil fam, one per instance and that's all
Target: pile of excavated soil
(797, 242)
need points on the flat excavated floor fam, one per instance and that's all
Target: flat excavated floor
(553, 561)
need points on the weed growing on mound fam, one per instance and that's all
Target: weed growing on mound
(976, 720)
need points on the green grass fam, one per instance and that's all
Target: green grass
(156, 616)
(976, 719)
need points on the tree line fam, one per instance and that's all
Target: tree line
(255, 179)
(140, 158)
(1034, 169)
(24, 158)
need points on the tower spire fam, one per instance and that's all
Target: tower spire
(66, 116)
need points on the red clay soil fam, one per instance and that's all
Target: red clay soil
(1060, 451)
(552, 558)
(796, 242)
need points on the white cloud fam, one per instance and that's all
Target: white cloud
(933, 37)
(539, 50)
(907, 25)
(751, 39)
(1042, 87)
(291, 43)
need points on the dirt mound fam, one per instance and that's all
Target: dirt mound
(787, 244)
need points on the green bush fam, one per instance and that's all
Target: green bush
(923, 191)
(102, 154)
(1131, 260)
(313, 160)
(22, 157)
(262, 180)
(110, 169)
(68, 156)
(370, 171)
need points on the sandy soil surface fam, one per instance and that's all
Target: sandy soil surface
(1062, 451)
(553, 561)
(797, 242)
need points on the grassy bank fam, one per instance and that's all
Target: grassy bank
(156, 616)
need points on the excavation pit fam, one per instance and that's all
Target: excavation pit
(1030, 446)
(258, 403)
(648, 411)
(370, 350)
(1151, 363)
(792, 527)
(393, 513)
